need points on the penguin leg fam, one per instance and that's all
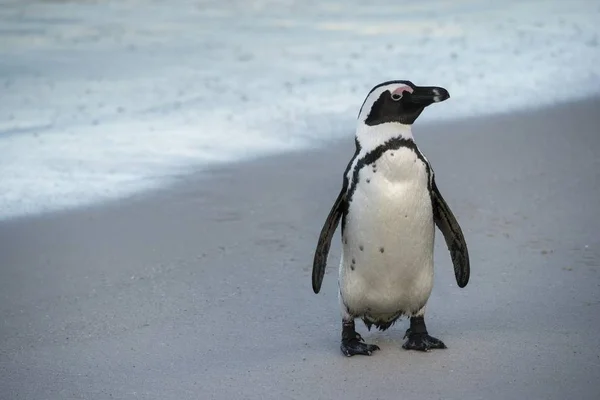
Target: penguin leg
(352, 343)
(417, 336)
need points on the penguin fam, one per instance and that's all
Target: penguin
(389, 206)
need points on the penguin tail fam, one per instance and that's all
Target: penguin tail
(381, 324)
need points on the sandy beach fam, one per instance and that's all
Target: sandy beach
(202, 290)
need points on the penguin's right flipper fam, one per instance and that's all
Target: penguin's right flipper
(455, 240)
(322, 251)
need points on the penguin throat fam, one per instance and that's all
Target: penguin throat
(370, 137)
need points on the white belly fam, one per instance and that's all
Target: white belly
(387, 260)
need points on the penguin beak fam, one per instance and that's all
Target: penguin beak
(426, 95)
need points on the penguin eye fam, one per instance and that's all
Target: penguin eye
(396, 96)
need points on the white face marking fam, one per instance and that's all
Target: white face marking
(398, 88)
(369, 137)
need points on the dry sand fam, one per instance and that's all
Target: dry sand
(203, 290)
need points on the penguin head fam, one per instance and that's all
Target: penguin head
(398, 101)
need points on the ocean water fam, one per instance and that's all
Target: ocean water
(104, 99)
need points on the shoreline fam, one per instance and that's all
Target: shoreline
(202, 289)
(194, 171)
(110, 111)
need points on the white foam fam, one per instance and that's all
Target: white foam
(103, 99)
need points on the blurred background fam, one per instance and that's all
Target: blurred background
(103, 99)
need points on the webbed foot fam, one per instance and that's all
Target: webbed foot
(353, 343)
(419, 339)
(422, 342)
(356, 345)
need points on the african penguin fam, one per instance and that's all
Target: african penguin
(388, 206)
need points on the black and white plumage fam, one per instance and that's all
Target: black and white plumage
(388, 206)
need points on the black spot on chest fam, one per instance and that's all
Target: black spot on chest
(370, 159)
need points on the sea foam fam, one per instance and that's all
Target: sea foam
(100, 100)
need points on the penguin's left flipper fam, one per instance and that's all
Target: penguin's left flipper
(322, 251)
(447, 224)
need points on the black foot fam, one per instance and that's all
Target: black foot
(422, 342)
(354, 346)
(353, 343)
(419, 339)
